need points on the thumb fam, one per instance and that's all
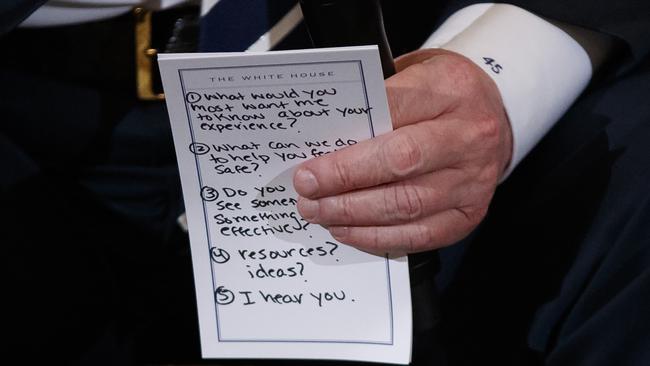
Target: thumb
(420, 90)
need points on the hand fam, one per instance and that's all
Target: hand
(429, 182)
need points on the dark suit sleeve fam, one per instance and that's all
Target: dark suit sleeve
(12, 12)
(628, 20)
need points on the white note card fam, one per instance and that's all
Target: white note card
(268, 283)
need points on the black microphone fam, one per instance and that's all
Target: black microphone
(337, 23)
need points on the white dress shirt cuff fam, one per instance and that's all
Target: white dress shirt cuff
(538, 68)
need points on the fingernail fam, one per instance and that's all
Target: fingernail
(308, 209)
(339, 232)
(305, 182)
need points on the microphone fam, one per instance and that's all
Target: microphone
(337, 23)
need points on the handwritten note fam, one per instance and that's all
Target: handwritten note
(269, 284)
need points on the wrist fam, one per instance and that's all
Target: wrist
(539, 70)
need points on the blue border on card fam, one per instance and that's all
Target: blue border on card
(205, 214)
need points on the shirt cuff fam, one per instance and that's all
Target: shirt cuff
(538, 68)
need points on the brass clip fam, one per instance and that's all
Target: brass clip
(145, 56)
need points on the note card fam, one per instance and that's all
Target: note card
(268, 283)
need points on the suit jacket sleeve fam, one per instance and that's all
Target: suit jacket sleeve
(629, 20)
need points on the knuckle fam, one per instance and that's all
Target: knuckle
(489, 175)
(474, 214)
(346, 210)
(419, 238)
(485, 176)
(408, 202)
(342, 174)
(488, 129)
(375, 240)
(484, 132)
(401, 154)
